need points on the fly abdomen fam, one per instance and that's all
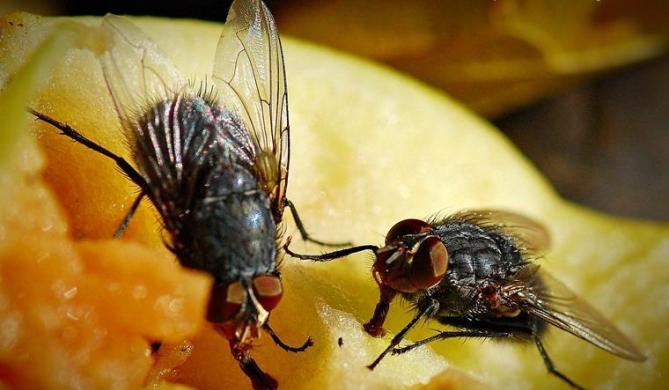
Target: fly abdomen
(231, 236)
(228, 227)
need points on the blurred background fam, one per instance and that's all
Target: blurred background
(581, 87)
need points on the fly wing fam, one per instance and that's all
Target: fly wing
(250, 76)
(547, 298)
(530, 235)
(136, 71)
(140, 77)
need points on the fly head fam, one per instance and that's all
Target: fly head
(414, 258)
(240, 308)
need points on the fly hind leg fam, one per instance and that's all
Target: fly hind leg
(430, 307)
(550, 366)
(449, 335)
(125, 167)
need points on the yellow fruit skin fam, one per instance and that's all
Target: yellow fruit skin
(369, 147)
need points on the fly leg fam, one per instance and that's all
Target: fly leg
(398, 337)
(549, 363)
(448, 335)
(374, 327)
(77, 137)
(128, 216)
(125, 167)
(330, 255)
(277, 340)
(303, 231)
(260, 380)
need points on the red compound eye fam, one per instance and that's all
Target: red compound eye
(429, 263)
(404, 227)
(226, 300)
(268, 290)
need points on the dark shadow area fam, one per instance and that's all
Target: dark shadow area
(200, 9)
(605, 144)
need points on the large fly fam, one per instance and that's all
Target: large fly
(474, 271)
(213, 162)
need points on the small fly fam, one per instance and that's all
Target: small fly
(213, 162)
(474, 271)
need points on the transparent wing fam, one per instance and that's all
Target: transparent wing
(250, 76)
(529, 234)
(547, 298)
(136, 71)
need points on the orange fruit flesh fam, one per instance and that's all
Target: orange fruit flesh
(80, 313)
